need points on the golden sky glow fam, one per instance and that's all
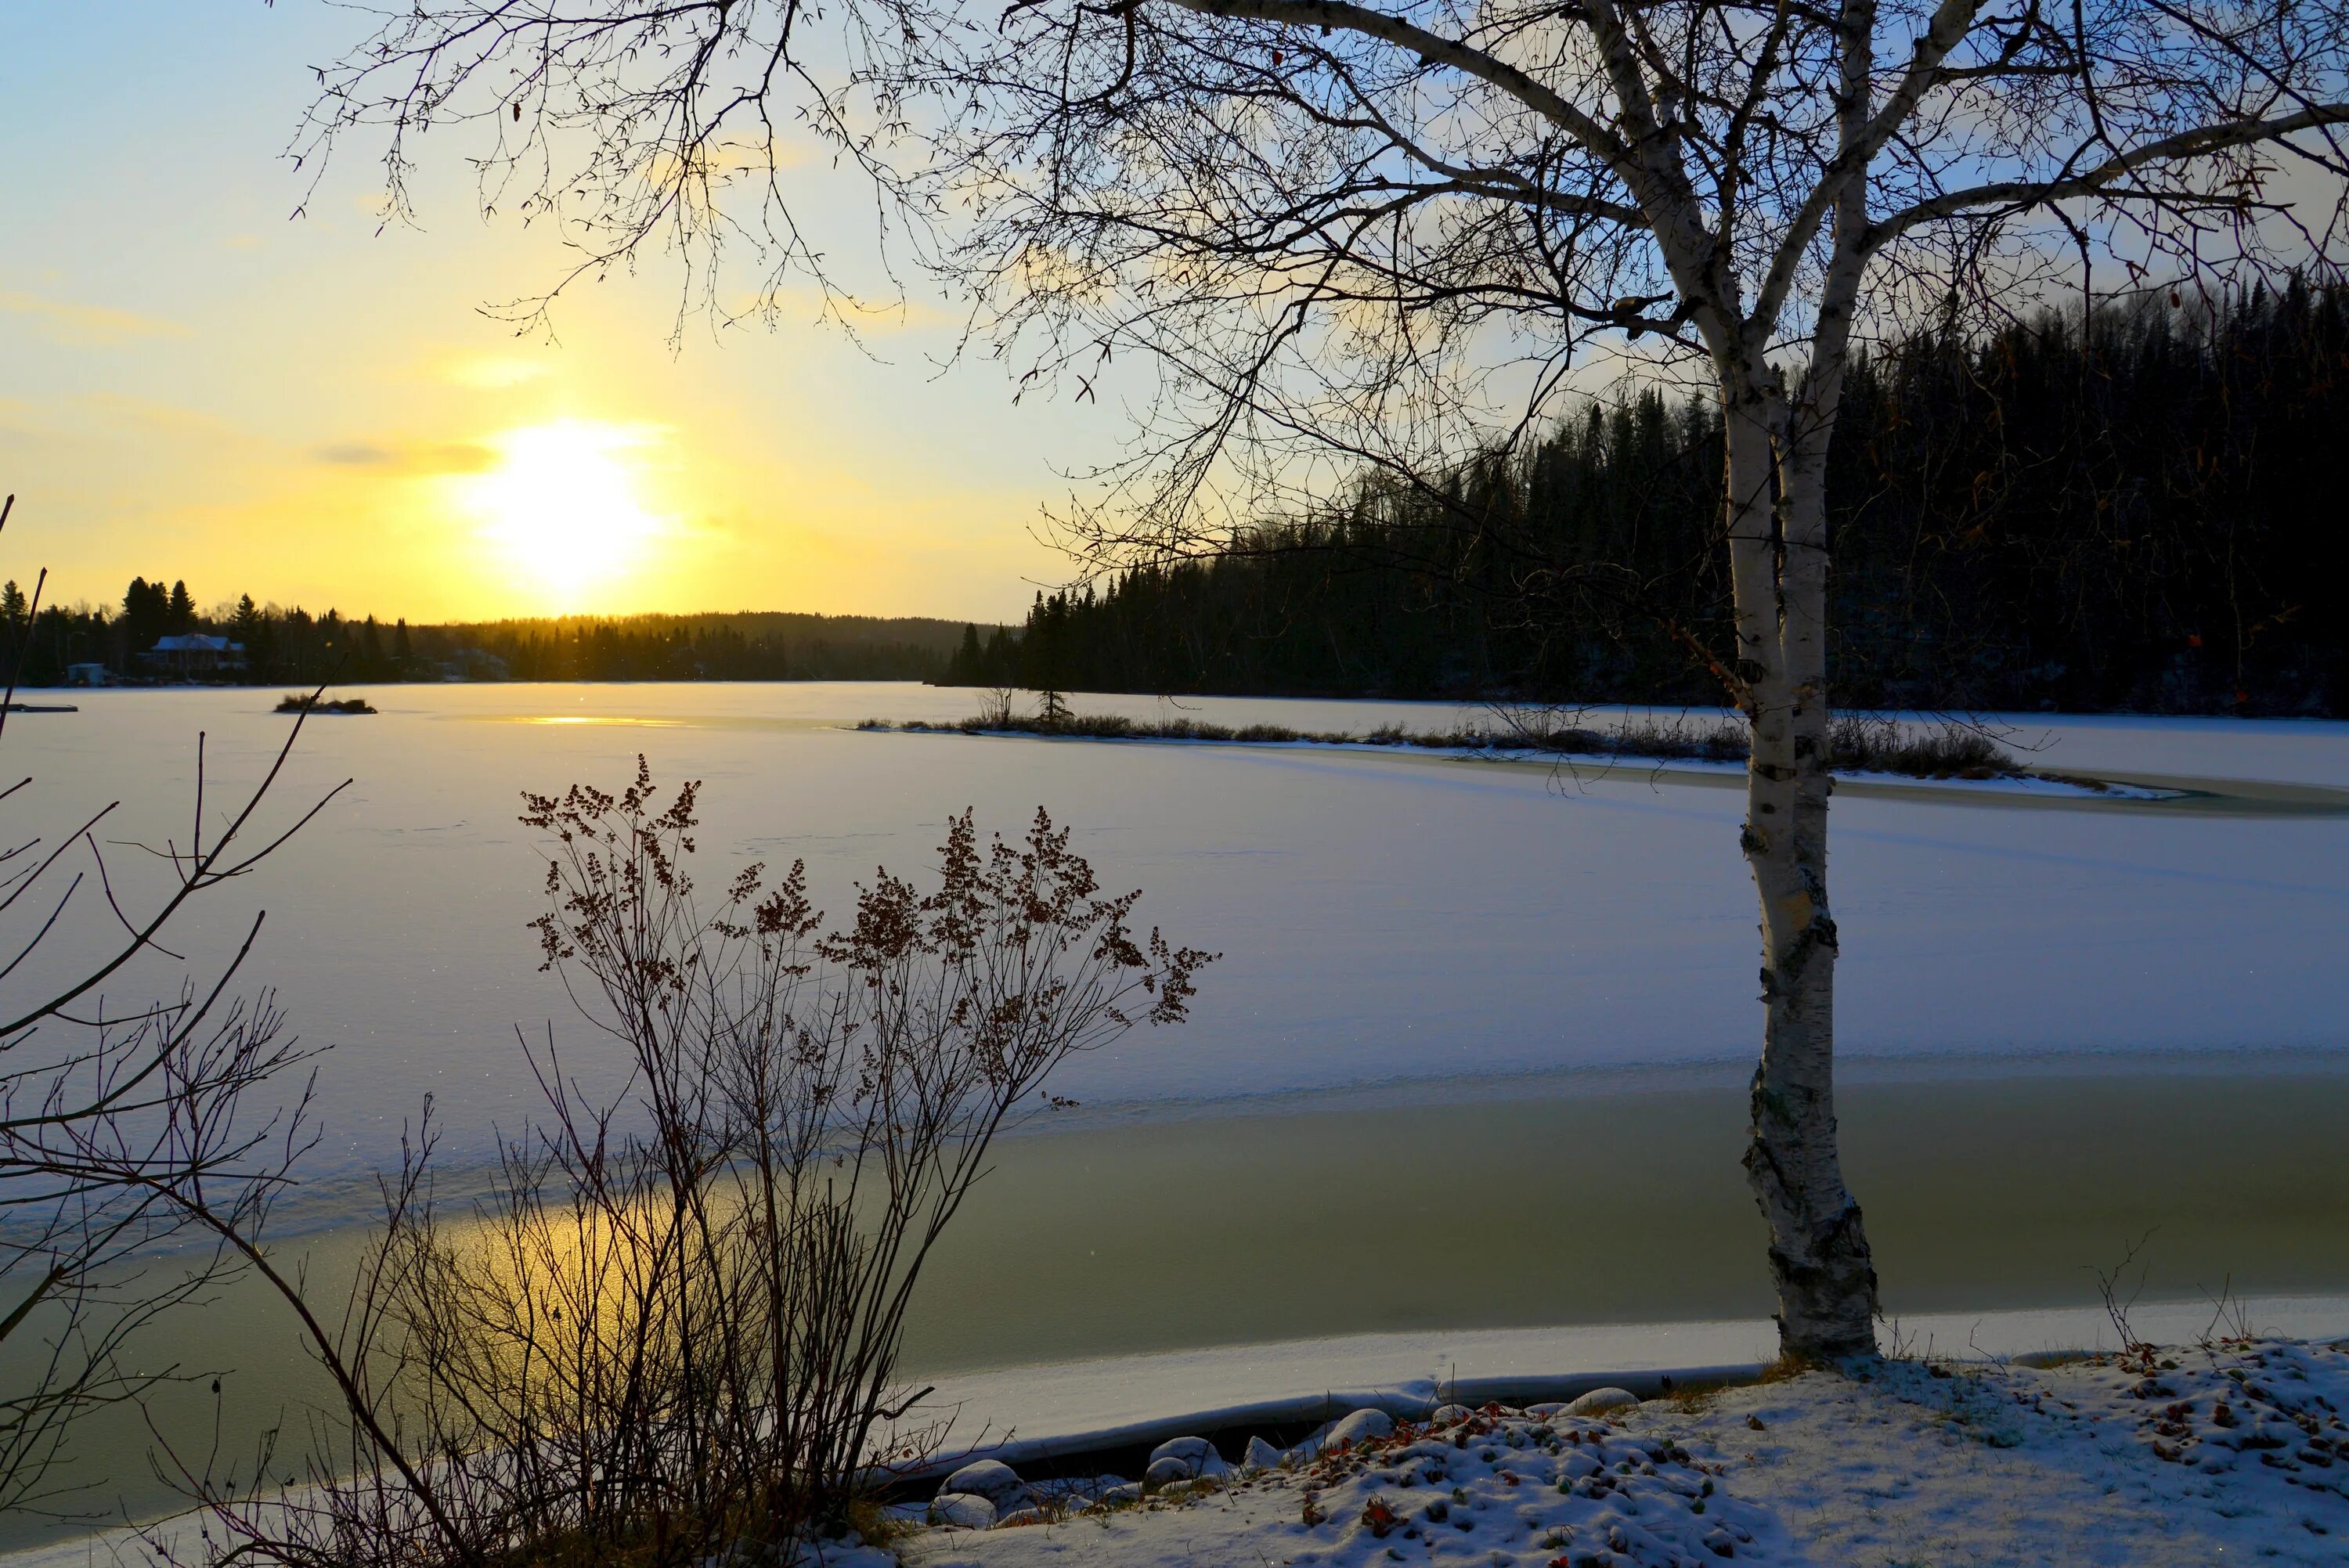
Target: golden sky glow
(317, 412)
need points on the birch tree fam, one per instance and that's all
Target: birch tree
(1305, 236)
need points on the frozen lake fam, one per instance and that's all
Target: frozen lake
(1476, 1022)
(1386, 920)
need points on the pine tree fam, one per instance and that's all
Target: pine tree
(145, 616)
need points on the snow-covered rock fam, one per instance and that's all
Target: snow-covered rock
(961, 1510)
(1196, 1455)
(994, 1480)
(1260, 1455)
(1192, 1448)
(1600, 1401)
(1450, 1415)
(1311, 1446)
(1362, 1424)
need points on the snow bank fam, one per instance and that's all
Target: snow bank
(2222, 1453)
(1023, 1413)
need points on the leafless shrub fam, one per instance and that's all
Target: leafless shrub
(112, 1117)
(1871, 743)
(2230, 1318)
(2111, 1285)
(1857, 743)
(672, 1331)
(995, 708)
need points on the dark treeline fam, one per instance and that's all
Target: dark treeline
(149, 638)
(2141, 510)
(762, 645)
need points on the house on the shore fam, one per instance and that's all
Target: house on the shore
(89, 674)
(195, 653)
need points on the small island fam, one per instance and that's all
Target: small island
(304, 702)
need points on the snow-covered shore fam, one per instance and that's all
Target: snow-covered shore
(2015, 1451)
(1068, 1407)
(2231, 1451)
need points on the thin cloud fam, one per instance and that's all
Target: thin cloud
(356, 455)
(87, 325)
(408, 456)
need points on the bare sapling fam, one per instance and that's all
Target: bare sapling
(2230, 1324)
(2119, 1293)
(672, 1330)
(996, 709)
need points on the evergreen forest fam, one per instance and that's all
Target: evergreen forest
(2138, 510)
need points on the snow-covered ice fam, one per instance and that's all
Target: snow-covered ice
(1386, 918)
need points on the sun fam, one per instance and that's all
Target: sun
(562, 507)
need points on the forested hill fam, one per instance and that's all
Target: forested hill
(2143, 510)
(280, 643)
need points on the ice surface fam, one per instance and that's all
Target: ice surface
(1384, 919)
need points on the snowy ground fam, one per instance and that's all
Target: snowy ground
(2233, 1453)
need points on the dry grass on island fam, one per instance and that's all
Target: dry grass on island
(1860, 743)
(314, 702)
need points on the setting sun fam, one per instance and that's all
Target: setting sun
(562, 507)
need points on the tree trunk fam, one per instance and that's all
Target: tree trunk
(1776, 514)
